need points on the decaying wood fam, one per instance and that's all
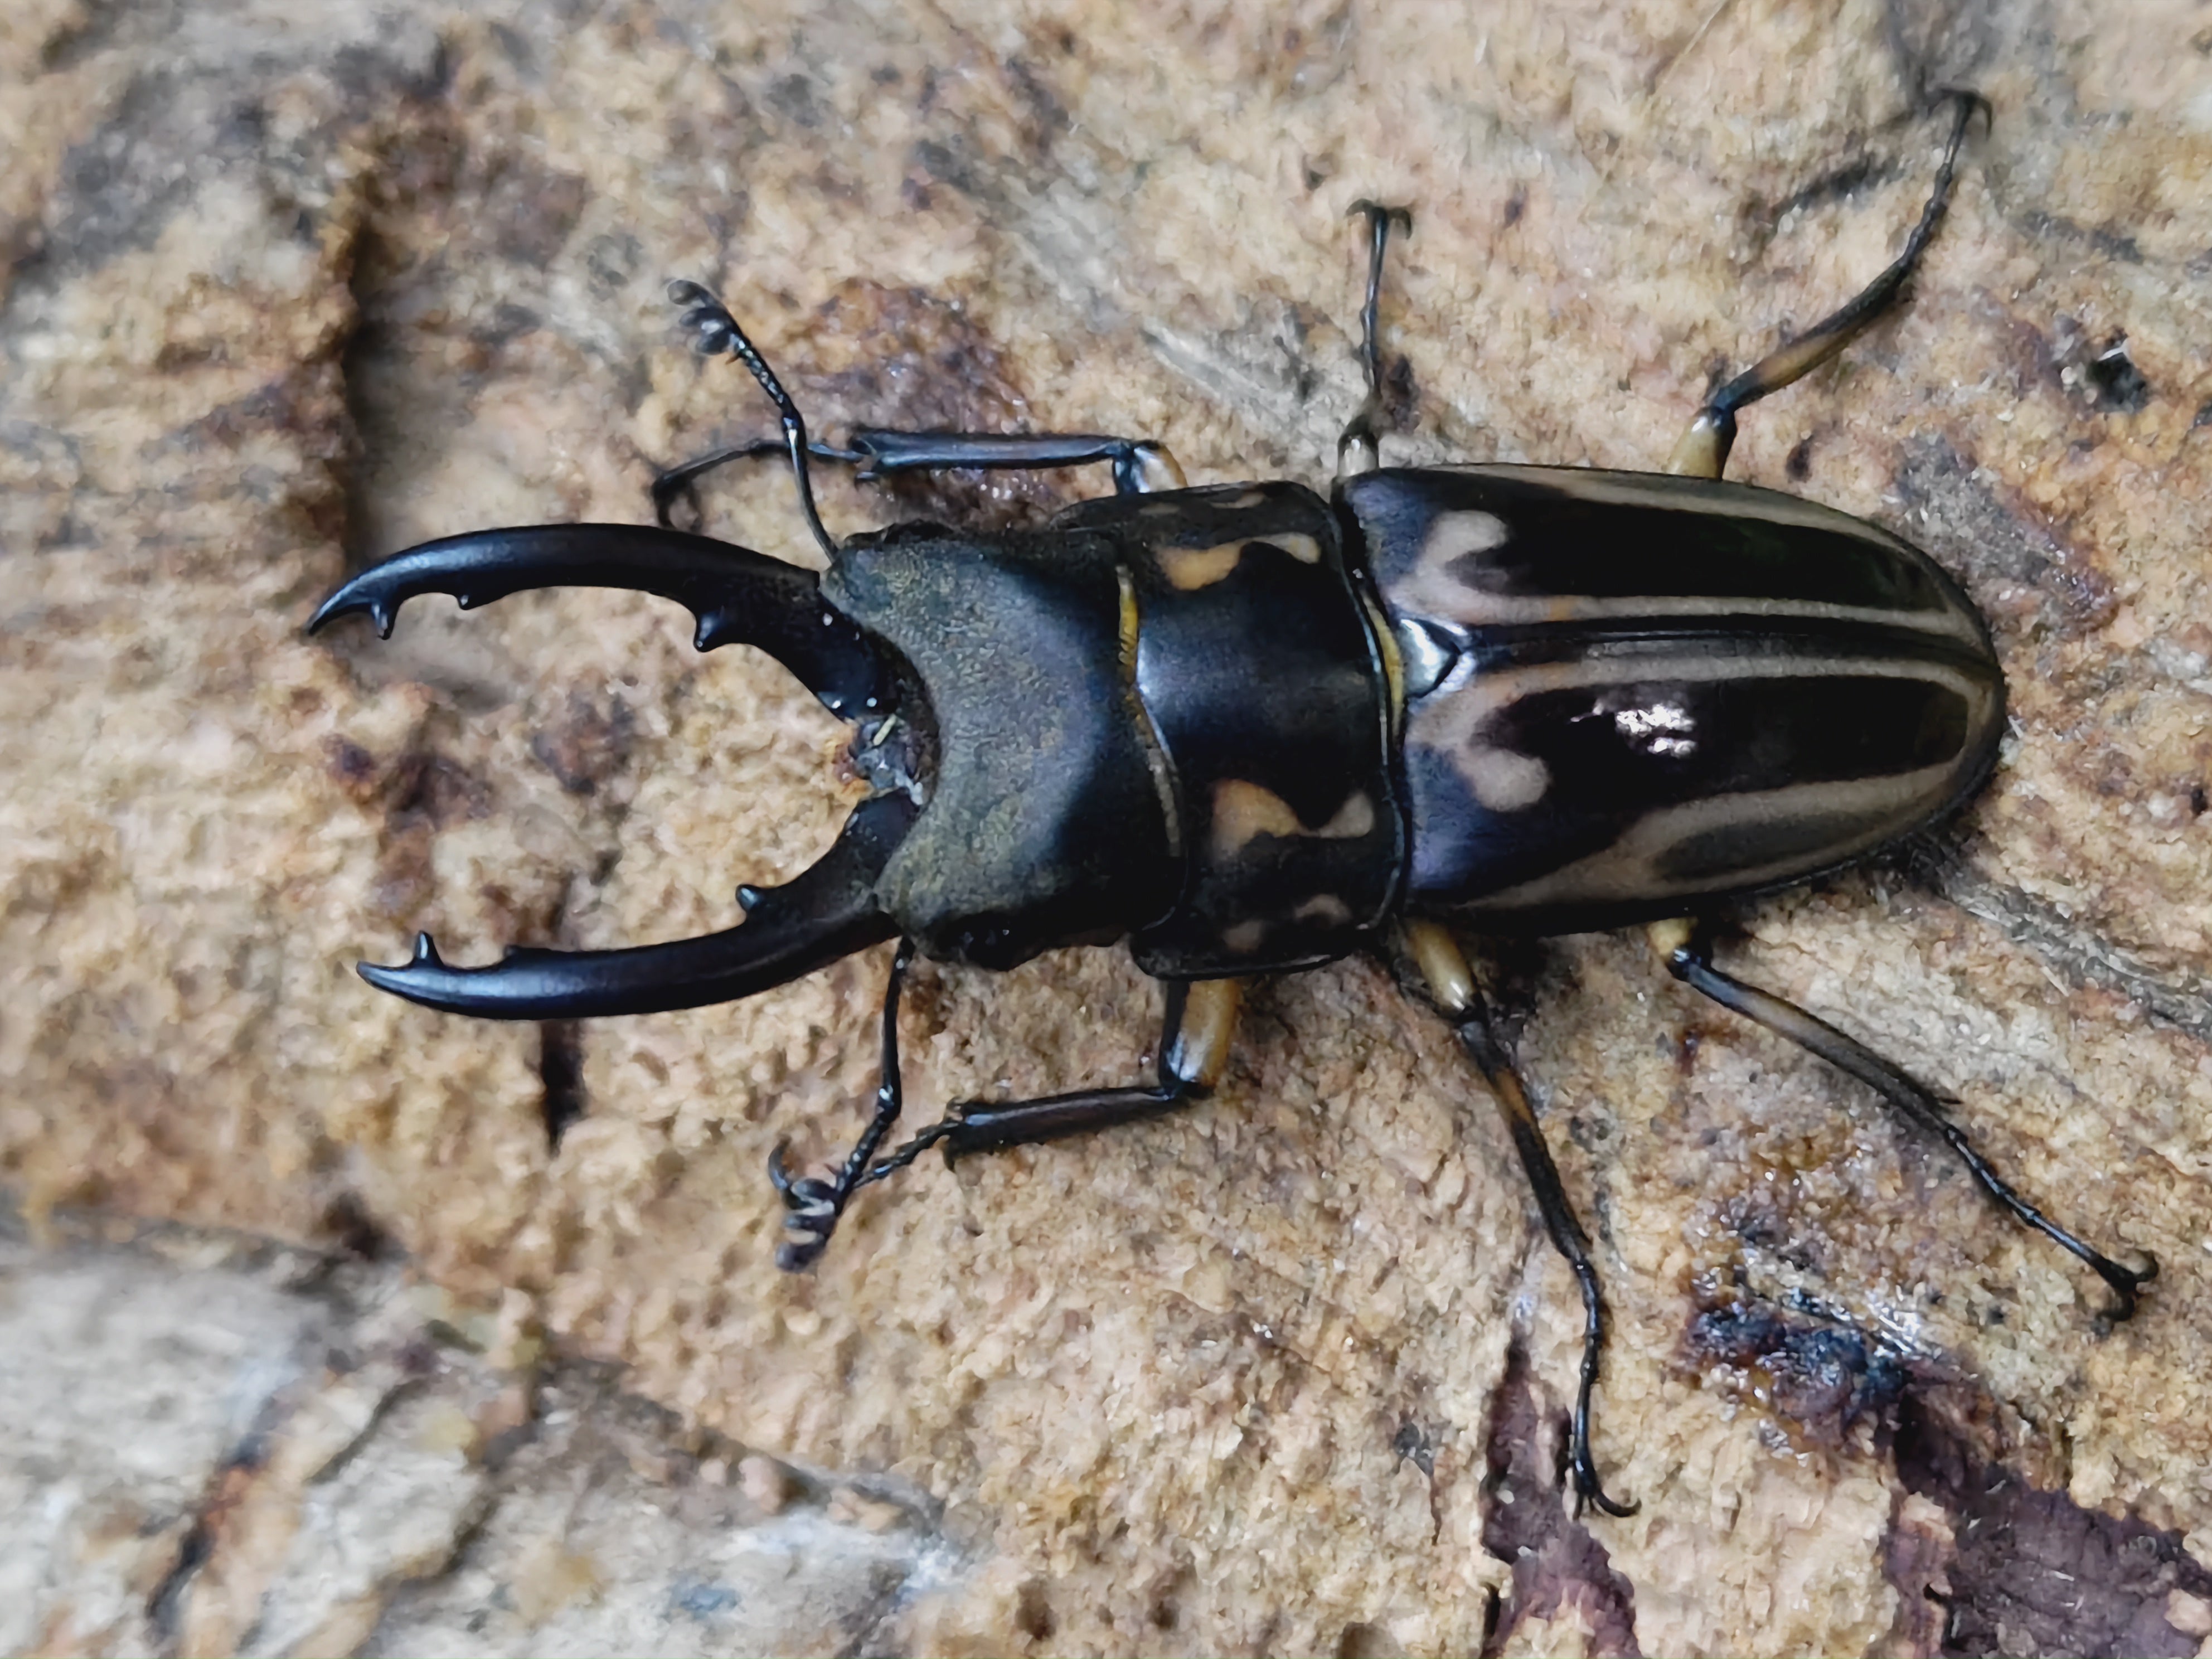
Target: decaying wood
(288, 288)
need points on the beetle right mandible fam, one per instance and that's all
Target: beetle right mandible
(1249, 730)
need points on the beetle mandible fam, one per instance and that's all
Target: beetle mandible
(1250, 730)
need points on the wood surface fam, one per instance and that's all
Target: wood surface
(286, 288)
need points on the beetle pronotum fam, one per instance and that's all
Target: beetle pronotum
(1250, 730)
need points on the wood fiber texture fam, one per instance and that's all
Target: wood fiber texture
(286, 288)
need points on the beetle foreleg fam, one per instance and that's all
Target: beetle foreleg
(1450, 988)
(1357, 448)
(1690, 960)
(1141, 467)
(1199, 1021)
(1704, 449)
(676, 482)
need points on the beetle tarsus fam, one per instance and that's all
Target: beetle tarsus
(1447, 983)
(811, 1206)
(1582, 1465)
(1471, 1024)
(815, 1204)
(1690, 961)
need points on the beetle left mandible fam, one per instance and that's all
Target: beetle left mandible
(1249, 730)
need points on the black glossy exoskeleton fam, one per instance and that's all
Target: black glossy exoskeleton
(1250, 729)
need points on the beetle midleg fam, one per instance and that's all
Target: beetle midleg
(1199, 1021)
(815, 1204)
(1141, 466)
(1689, 957)
(1704, 449)
(1449, 984)
(1356, 448)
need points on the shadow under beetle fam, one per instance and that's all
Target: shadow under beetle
(1250, 730)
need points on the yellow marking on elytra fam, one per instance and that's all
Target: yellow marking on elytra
(1503, 780)
(1432, 588)
(1189, 568)
(1242, 812)
(1245, 936)
(1325, 908)
(1456, 535)
(1148, 733)
(1299, 545)
(1393, 661)
(1633, 865)
(1355, 818)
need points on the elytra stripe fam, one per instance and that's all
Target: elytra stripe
(1633, 867)
(1439, 540)
(1448, 717)
(1431, 592)
(1806, 639)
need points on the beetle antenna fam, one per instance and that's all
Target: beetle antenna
(715, 332)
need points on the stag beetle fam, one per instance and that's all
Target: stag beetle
(1249, 730)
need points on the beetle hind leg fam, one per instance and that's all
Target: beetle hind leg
(1702, 452)
(1448, 985)
(1689, 959)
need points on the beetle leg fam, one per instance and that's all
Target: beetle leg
(1357, 448)
(1689, 959)
(675, 483)
(715, 332)
(1140, 466)
(815, 1204)
(1200, 1020)
(1704, 449)
(1450, 988)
